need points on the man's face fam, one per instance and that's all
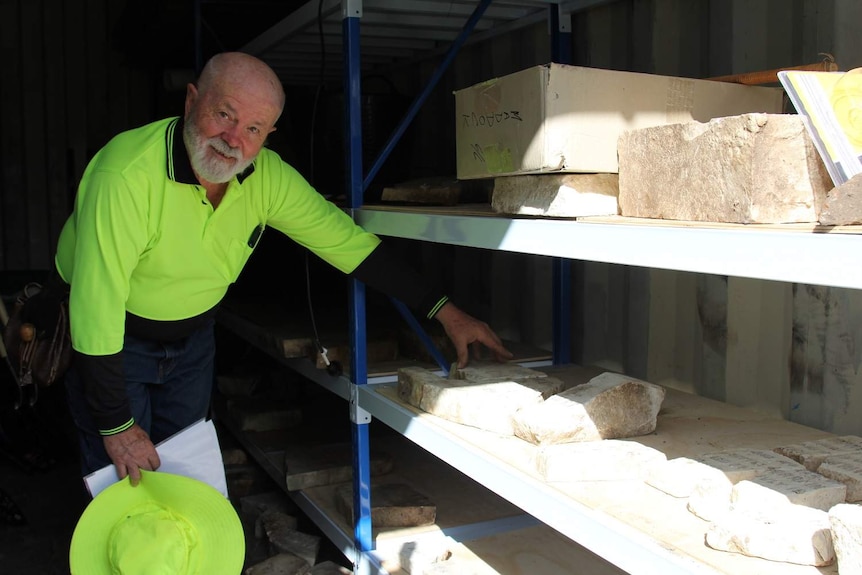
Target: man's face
(223, 134)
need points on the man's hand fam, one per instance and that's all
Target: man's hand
(464, 330)
(131, 451)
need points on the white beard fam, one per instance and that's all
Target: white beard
(209, 164)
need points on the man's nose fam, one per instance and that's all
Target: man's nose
(231, 136)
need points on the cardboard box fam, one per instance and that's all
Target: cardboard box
(559, 118)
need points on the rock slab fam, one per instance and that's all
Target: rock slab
(609, 406)
(843, 204)
(488, 405)
(392, 505)
(752, 168)
(795, 534)
(557, 195)
(846, 522)
(327, 464)
(608, 460)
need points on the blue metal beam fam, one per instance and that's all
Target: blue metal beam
(420, 99)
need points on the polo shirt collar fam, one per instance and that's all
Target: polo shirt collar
(179, 168)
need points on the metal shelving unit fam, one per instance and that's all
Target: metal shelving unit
(322, 41)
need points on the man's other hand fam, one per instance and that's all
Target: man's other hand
(131, 451)
(466, 331)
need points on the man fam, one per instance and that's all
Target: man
(165, 218)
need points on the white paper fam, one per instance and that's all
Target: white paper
(193, 452)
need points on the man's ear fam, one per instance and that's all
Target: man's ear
(191, 96)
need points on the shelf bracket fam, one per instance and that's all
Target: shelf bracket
(351, 9)
(357, 414)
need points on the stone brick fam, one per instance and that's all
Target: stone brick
(281, 564)
(753, 168)
(679, 477)
(262, 414)
(843, 204)
(329, 568)
(812, 453)
(741, 464)
(607, 460)
(846, 522)
(710, 498)
(488, 372)
(557, 195)
(327, 464)
(284, 538)
(272, 521)
(392, 505)
(777, 486)
(846, 468)
(485, 405)
(609, 406)
(712, 495)
(253, 506)
(791, 533)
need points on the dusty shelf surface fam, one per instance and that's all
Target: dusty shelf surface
(688, 425)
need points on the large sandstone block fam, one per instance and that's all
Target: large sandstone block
(285, 539)
(557, 195)
(680, 476)
(793, 534)
(779, 486)
(752, 168)
(392, 505)
(846, 468)
(609, 460)
(281, 564)
(262, 414)
(484, 405)
(846, 522)
(811, 454)
(311, 466)
(843, 204)
(712, 493)
(609, 406)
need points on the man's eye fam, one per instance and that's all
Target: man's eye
(223, 115)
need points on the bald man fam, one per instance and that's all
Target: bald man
(165, 218)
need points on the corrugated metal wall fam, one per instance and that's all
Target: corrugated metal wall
(64, 90)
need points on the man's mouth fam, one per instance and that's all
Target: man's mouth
(223, 155)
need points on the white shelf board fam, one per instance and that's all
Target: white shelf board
(627, 523)
(614, 541)
(831, 259)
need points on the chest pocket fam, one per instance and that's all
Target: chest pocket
(238, 251)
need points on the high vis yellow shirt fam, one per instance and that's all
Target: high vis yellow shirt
(144, 239)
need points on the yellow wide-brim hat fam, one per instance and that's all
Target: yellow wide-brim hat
(167, 524)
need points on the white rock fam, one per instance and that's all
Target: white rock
(606, 460)
(609, 406)
(789, 533)
(846, 522)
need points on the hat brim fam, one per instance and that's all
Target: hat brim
(219, 530)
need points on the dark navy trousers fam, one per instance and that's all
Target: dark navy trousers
(169, 385)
